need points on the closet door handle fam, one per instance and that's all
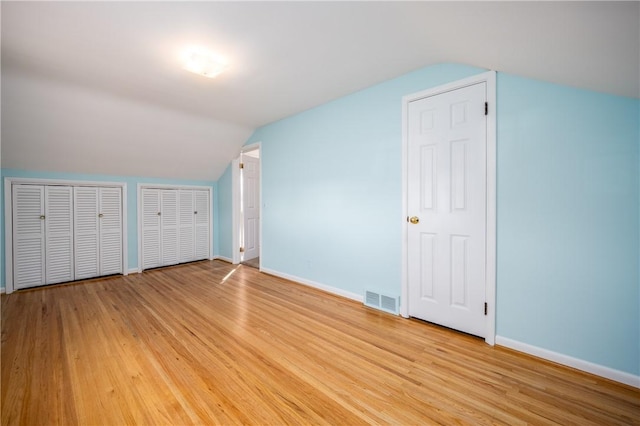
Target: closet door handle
(42, 217)
(159, 214)
(100, 215)
(195, 212)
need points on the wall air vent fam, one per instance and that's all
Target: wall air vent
(382, 302)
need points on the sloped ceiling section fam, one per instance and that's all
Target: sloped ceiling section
(54, 126)
(98, 87)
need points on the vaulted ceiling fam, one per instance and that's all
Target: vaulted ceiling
(98, 87)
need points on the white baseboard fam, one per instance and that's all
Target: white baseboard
(226, 259)
(3, 290)
(579, 364)
(323, 287)
(134, 271)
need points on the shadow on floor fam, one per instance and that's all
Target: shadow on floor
(254, 263)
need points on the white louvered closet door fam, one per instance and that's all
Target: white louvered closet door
(151, 257)
(28, 236)
(87, 238)
(110, 230)
(201, 214)
(59, 256)
(169, 227)
(187, 223)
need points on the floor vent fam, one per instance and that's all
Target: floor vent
(382, 302)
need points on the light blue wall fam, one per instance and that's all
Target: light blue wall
(225, 215)
(132, 203)
(332, 187)
(568, 199)
(568, 221)
(216, 221)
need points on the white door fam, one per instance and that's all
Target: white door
(169, 226)
(151, 257)
(251, 206)
(87, 244)
(447, 198)
(28, 236)
(187, 225)
(202, 220)
(110, 226)
(58, 234)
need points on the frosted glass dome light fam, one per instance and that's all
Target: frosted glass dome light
(203, 62)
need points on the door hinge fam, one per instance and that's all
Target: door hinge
(485, 308)
(241, 249)
(486, 108)
(241, 165)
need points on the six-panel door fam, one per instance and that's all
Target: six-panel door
(447, 198)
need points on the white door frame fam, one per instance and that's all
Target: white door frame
(490, 293)
(236, 215)
(8, 218)
(142, 186)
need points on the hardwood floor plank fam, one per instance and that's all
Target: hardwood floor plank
(213, 343)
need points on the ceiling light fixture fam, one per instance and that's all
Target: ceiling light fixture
(203, 62)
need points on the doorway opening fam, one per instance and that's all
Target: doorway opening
(246, 182)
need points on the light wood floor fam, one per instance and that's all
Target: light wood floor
(211, 343)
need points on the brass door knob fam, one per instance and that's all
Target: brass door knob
(414, 219)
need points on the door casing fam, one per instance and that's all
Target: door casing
(490, 293)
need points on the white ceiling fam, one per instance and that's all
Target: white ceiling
(104, 78)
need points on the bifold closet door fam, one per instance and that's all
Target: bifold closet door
(59, 258)
(169, 246)
(175, 226)
(28, 236)
(42, 235)
(187, 222)
(87, 239)
(65, 233)
(110, 230)
(151, 257)
(202, 236)
(98, 231)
